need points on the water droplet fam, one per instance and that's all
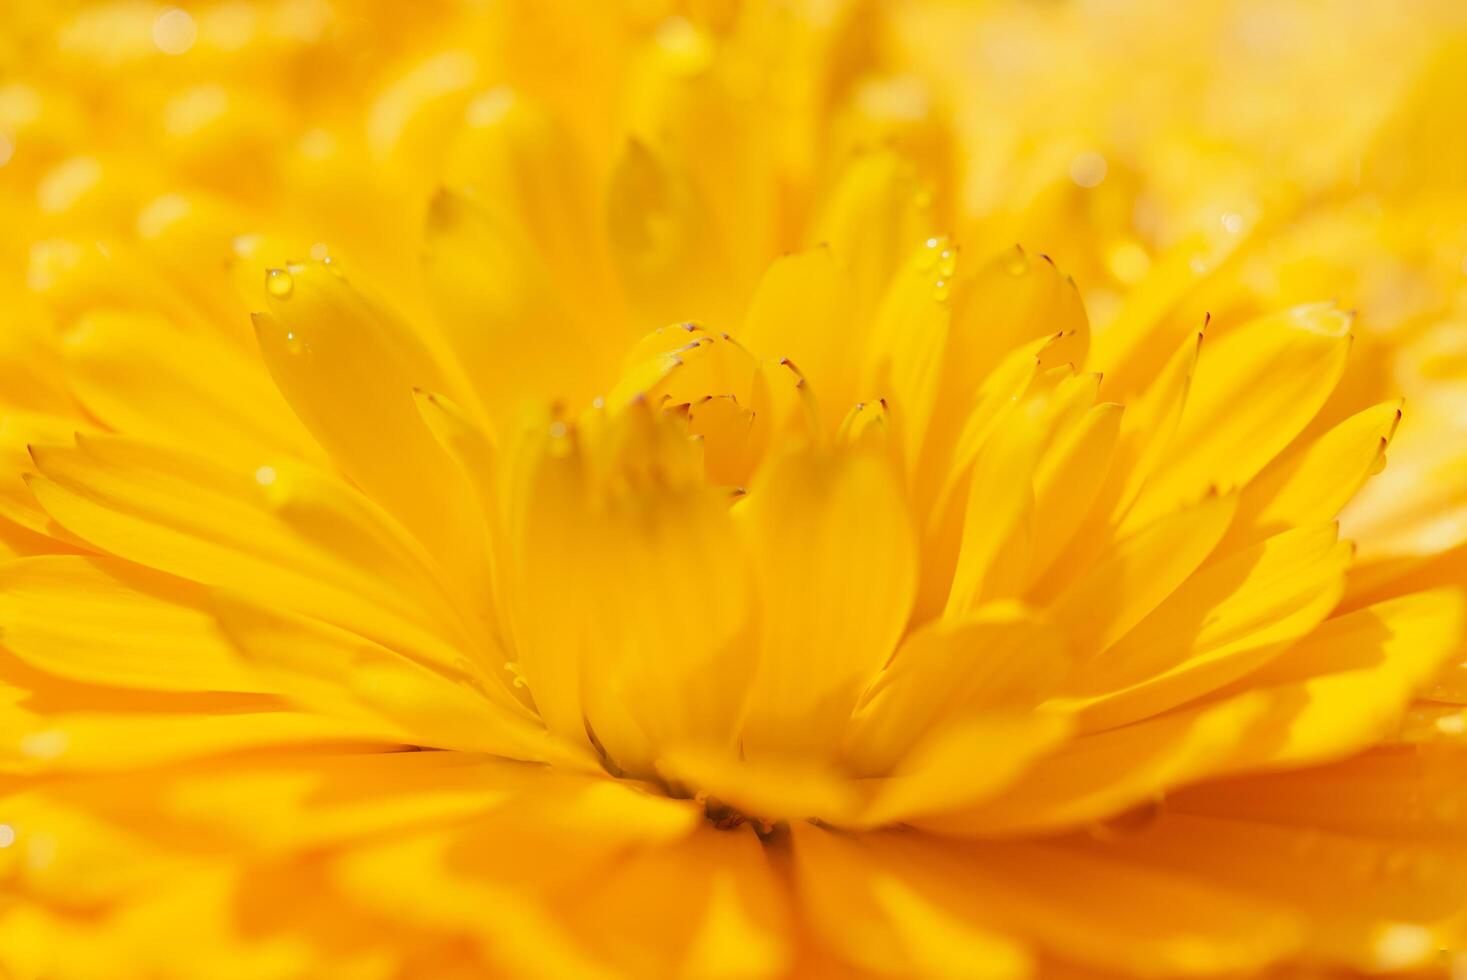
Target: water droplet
(1232, 223)
(265, 475)
(934, 242)
(1088, 169)
(279, 283)
(514, 668)
(320, 252)
(557, 430)
(7, 835)
(1198, 264)
(940, 290)
(174, 31)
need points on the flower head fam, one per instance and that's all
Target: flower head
(544, 491)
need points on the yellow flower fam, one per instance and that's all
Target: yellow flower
(535, 490)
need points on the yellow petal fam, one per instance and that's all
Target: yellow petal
(769, 790)
(803, 311)
(1069, 479)
(962, 763)
(1013, 299)
(1141, 570)
(878, 921)
(1255, 602)
(348, 368)
(1416, 507)
(685, 102)
(79, 618)
(722, 909)
(513, 152)
(835, 576)
(1417, 149)
(1132, 347)
(990, 905)
(19, 431)
(629, 590)
(282, 533)
(301, 801)
(993, 558)
(504, 315)
(1099, 775)
(493, 880)
(1255, 389)
(1369, 902)
(1000, 657)
(88, 741)
(326, 669)
(1313, 482)
(1375, 794)
(876, 214)
(904, 352)
(664, 245)
(146, 377)
(1345, 687)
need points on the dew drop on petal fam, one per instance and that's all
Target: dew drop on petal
(279, 283)
(1232, 223)
(265, 476)
(7, 835)
(320, 252)
(174, 31)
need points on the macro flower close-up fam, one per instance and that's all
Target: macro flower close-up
(733, 489)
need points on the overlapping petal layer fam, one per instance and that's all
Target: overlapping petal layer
(659, 524)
